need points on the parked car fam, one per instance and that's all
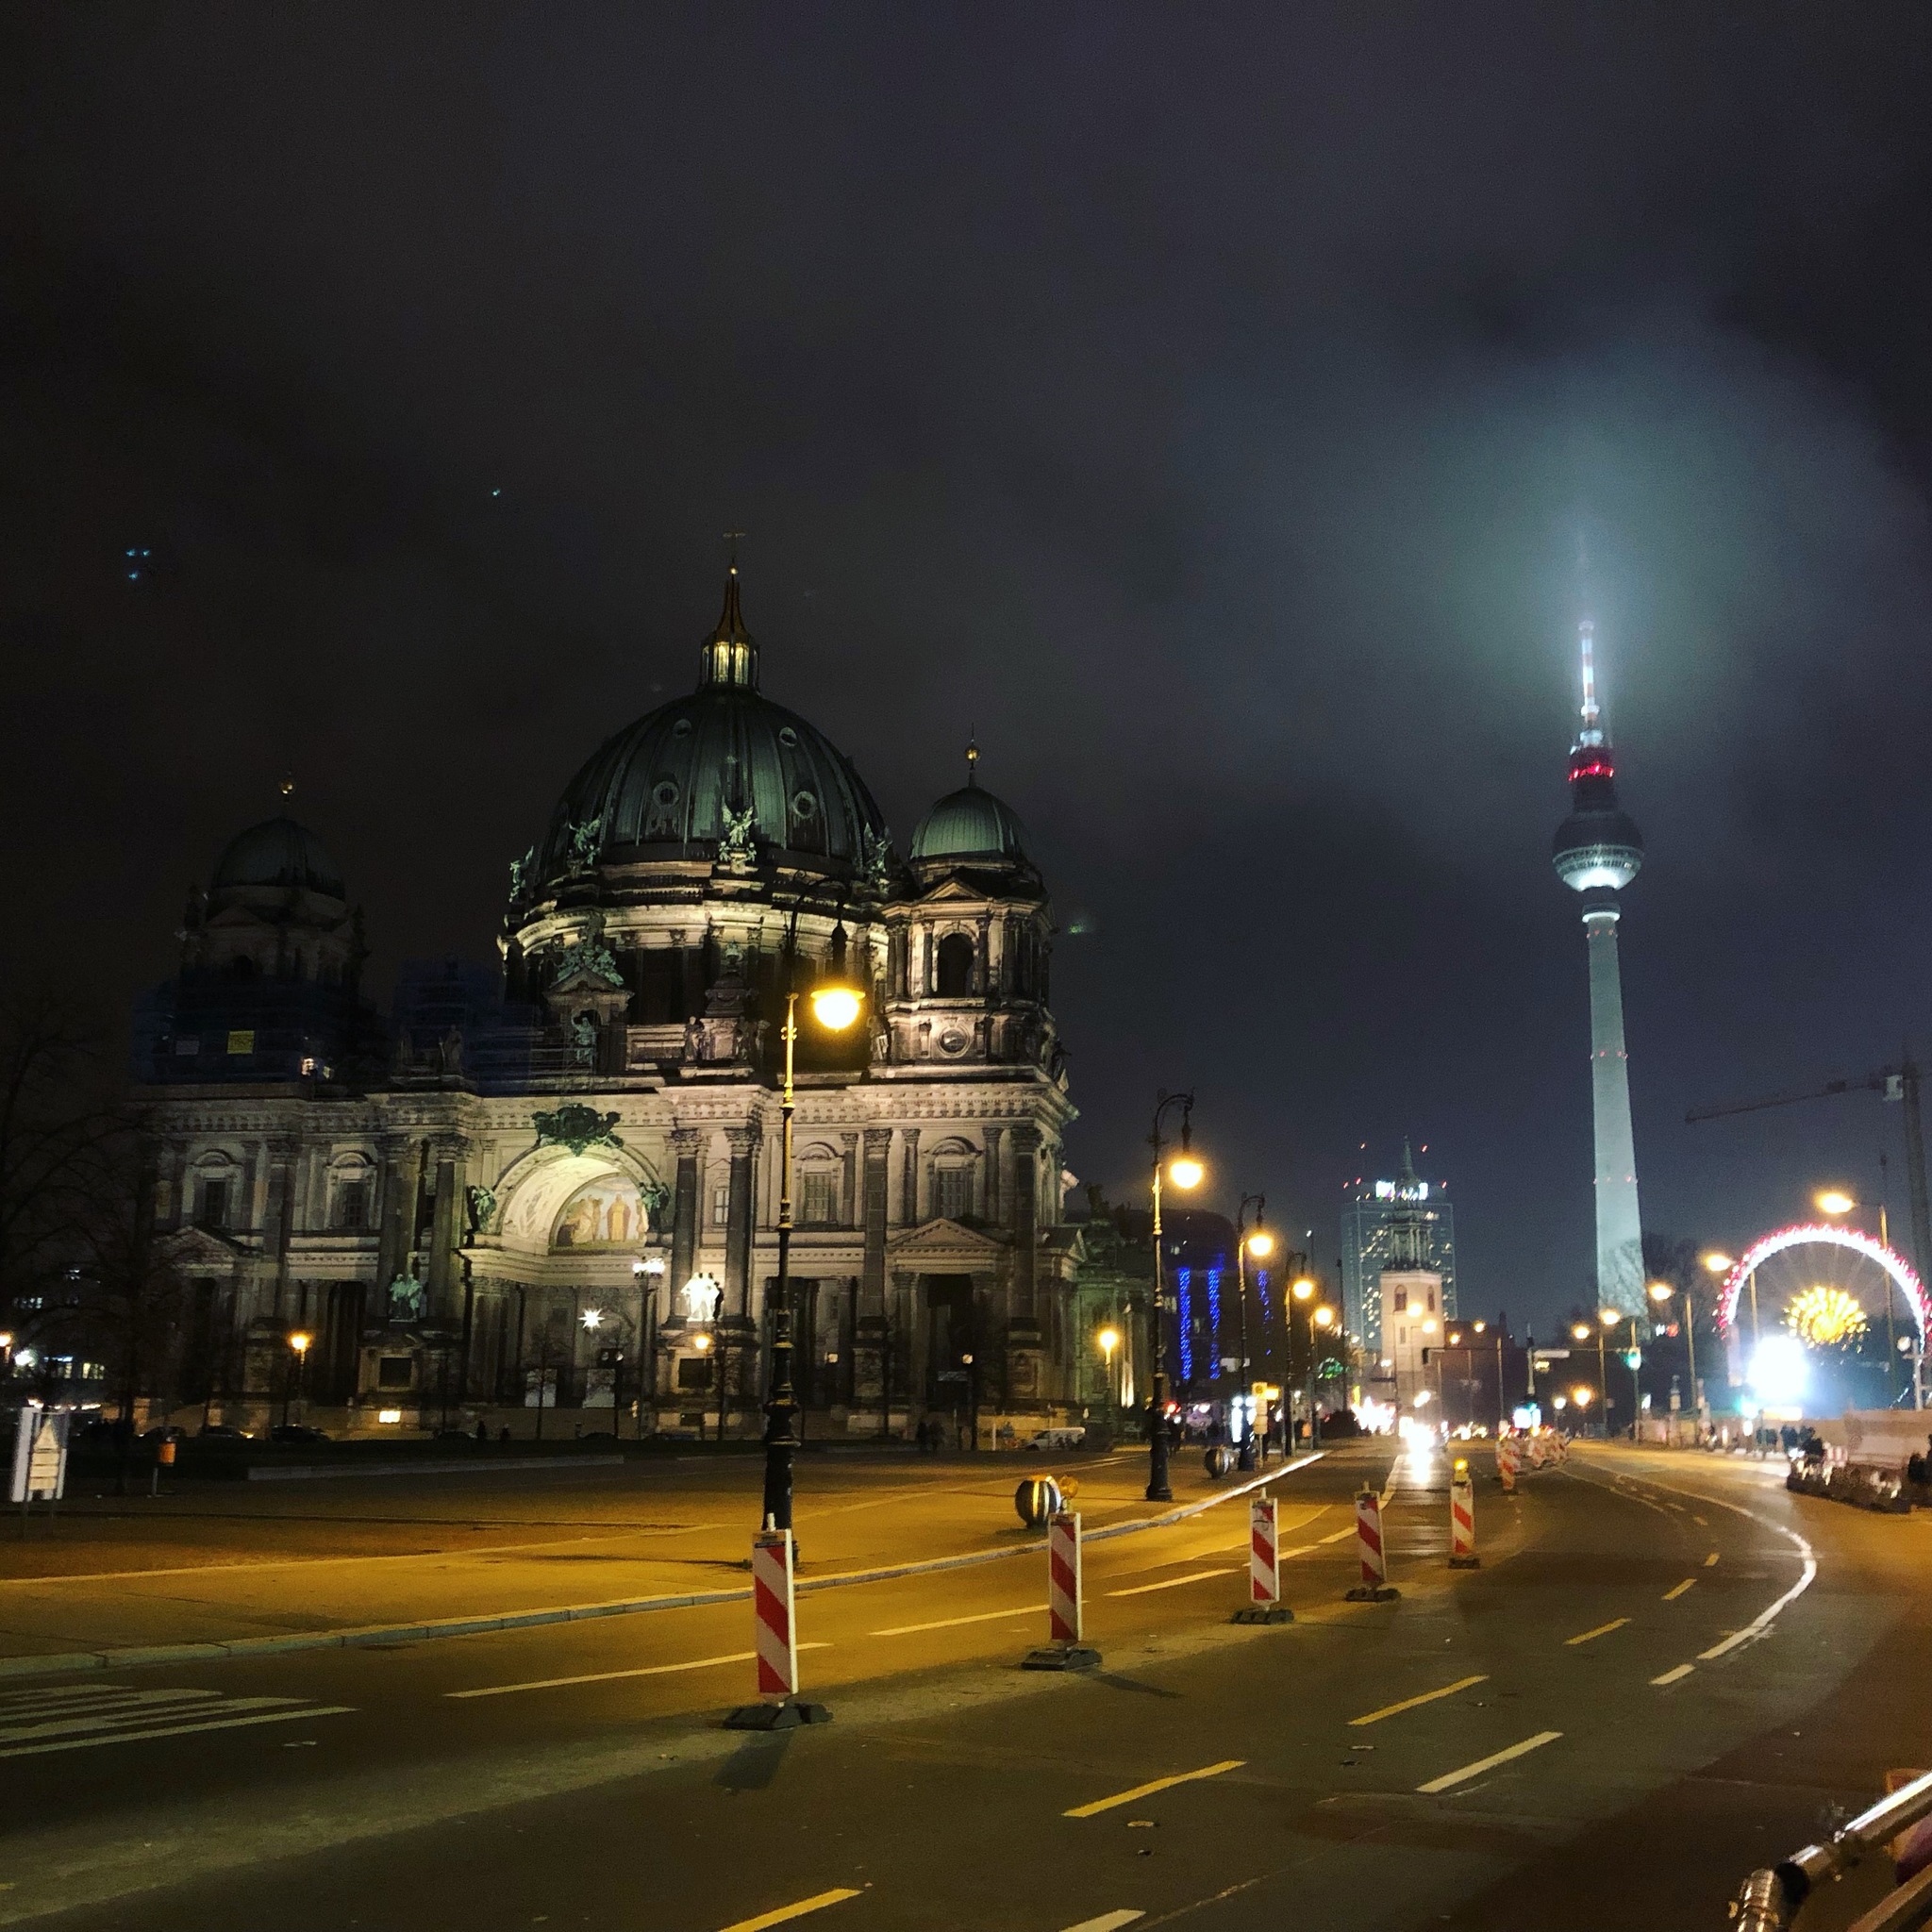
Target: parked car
(296, 1432)
(1057, 1439)
(164, 1432)
(223, 1432)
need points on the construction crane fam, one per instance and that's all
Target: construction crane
(1899, 1083)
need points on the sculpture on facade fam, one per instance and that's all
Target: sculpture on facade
(520, 870)
(588, 956)
(583, 842)
(575, 1126)
(405, 1299)
(482, 1202)
(657, 1199)
(583, 1041)
(738, 850)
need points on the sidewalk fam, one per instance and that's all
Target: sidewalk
(855, 1522)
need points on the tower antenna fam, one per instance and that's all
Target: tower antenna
(1586, 638)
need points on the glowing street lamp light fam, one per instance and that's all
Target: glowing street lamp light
(1717, 1263)
(1258, 1242)
(835, 1005)
(1834, 1201)
(1185, 1171)
(300, 1342)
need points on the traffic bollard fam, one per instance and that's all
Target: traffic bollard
(1463, 1554)
(1264, 1605)
(1509, 1453)
(776, 1636)
(1064, 1650)
(1374, 1587)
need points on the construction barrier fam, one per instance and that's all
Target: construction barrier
(1508, 1458)
(1374, 1587)
(1463, 1554)
(1264, 1605)
(1064, 1650)
(777, 1638)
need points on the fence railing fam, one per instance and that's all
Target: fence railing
(1769, 1899)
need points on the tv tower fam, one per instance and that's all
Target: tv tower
(1598, 851)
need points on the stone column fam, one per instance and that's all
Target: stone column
(908, 1192)
(447, 1230)
(870, 1322)
(993, 1137)
(1024, 1351)
(686, 1145)
(906, 1346)
(740, 1212)
(848, 1182)
(278, 1220)
(396, 1212)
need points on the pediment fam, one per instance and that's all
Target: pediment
(948, 1239)
(203, 1247)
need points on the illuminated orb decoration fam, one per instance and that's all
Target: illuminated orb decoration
(1826, 1317)
(1803, 1234)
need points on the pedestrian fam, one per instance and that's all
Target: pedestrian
(503, 1434)
(482, 1430)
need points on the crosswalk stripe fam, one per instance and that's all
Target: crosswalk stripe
(96, 1721)
(231, 1723)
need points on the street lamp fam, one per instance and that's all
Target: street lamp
(835, 1005)
(1260, 1242)
(301, 1342)
(647, 1273)
(1836, 1202)
(1185, 1171)
(1107, 1340)
(1660, 1292)
(1302, 1290)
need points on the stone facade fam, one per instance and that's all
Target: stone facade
(557, 1183)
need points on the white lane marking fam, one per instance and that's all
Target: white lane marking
(1676, 1676)
(1108, 1921)
(1699, 1520)
(697, 1663)
(50, 1721)
(1349, 1530)
(1489, 1763)
(1172, 1583)
(1763, 1621)
(219, 1723)
(953, 1623)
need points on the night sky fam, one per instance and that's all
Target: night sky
(1227, 412)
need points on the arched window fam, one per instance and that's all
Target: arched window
(953, 966)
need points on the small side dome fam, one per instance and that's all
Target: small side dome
(278, 852)
(971, 827)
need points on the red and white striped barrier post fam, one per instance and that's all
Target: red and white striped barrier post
(1507, 1454)
(1064, 1650)
(1264, 1605)
(1463, 1554)
(1374, 1587)
(776, 1627)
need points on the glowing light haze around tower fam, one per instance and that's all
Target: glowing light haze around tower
(1597, 852)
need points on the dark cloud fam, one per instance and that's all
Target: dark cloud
(1210, 405)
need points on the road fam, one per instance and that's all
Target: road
(1666, 1671)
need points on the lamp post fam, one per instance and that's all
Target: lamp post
(1580, 1332)
(1106, 1341)
(1262, 1243)
(835, 1007)
(1323, 1319)
(1662, 1293)
(1835, 1202)
(647, 1273)
(1186, 1172)
(1301, 1292)
(300, 1342)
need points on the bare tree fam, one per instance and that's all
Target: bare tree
(56, 1114)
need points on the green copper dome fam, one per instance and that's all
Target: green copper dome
(723, 772)
(279, 852)
(971, 827)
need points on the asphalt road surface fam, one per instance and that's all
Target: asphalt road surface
(1667, 1670)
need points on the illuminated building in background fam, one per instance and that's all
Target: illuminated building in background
(1406, 1222)
(1597, 852)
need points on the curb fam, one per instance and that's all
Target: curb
(574, 1613)
(476, 1465)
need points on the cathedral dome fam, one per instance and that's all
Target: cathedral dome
(969, 826)
(674, 786)
(277, 853)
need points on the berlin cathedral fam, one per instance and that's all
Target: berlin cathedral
(554, 1182)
